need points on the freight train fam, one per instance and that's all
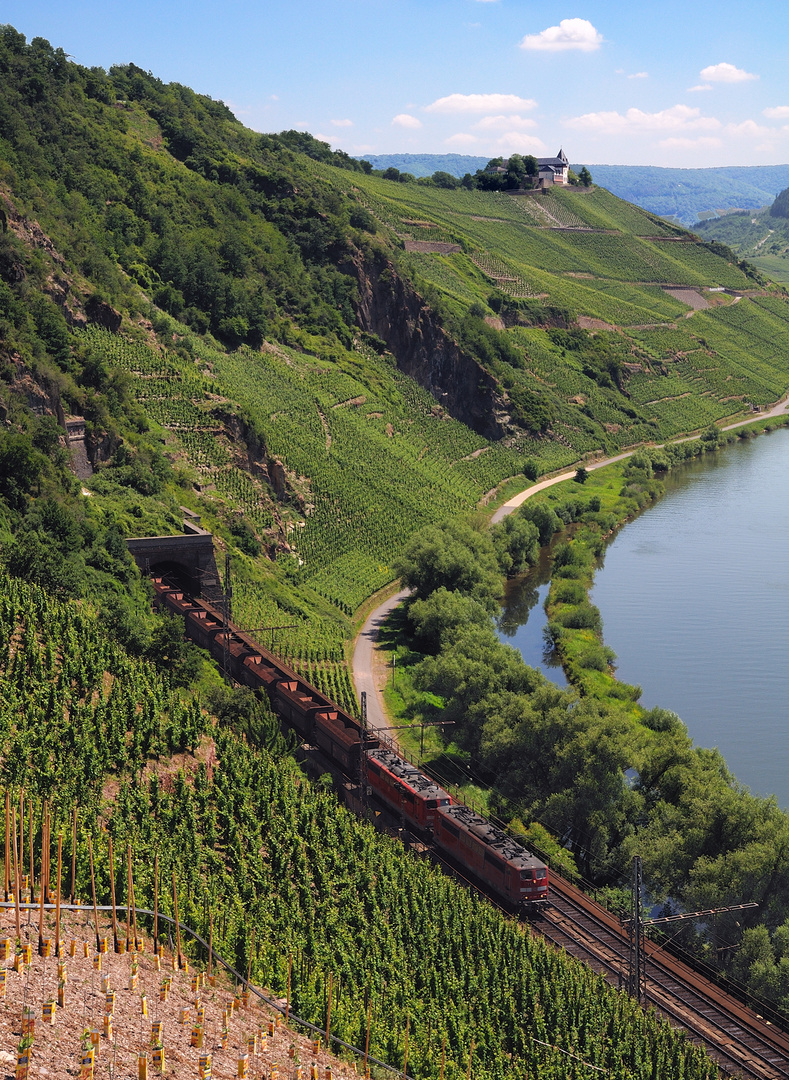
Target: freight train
(466, 839)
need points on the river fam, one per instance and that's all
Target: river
(694, 595)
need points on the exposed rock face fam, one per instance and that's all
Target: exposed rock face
(103, 315)
(389, 307)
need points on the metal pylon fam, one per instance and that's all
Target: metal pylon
(636, 974)
(363, 754)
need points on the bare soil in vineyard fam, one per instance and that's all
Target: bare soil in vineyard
(58, 1047)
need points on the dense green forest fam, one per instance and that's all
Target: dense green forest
(323, 363)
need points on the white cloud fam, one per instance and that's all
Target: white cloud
(569, 34)
(405, 120)
(274, 97)
(515, 122)
(639, 75)
(748, 129)
(322, 138)
(343, 123)
(461, 139)
(634, 121)
(513, 142)
(705, 142)
(780, 112)
(487, 103)
(726, 73)
(697, 89)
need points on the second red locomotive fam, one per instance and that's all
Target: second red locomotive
(404, 788)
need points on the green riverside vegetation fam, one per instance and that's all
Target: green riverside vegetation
(328, 366)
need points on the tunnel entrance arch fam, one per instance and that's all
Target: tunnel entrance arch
(187, 559)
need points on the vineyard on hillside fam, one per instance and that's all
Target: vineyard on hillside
(270, 855)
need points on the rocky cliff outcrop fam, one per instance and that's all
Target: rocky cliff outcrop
(389, 307)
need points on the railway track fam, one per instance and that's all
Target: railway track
(739, 1040)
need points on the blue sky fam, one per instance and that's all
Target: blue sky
(617, 82)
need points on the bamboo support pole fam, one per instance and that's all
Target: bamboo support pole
(57, 897)
(177, 922)
(17, 884)
(93, 892)
(114, 911)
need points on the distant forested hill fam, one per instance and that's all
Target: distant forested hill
(684, 194)
(688, 193)
(761, 237)
(426, 164)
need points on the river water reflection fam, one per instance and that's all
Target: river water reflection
(523, 619)
(694, 596)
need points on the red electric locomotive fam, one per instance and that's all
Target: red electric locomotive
(496, 859)
(405, 788)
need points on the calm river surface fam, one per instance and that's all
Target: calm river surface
(694, 596)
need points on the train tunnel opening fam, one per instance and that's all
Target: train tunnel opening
(184, 578)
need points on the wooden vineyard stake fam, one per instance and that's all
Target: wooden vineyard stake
(287, 994)
(328, 1013)
(7, 860)
(367, 1037)
(114, 912)
(405, 1049)
(45, 851)
(133, 904)
(156, 904)
(210, 943)
(57, 897)
(93, 892)
(41, 908)
(17, 897)
(73, 893)
(470, 1056)
(443, 1057)
(21, 858)
(251, 954)
(177, 923)
(128, 896)
(30, 850)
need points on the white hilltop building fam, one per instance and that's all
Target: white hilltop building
(554, 170)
